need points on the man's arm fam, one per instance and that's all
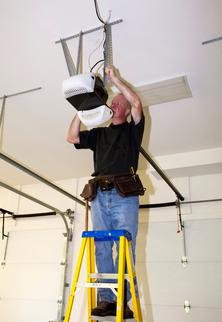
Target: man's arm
(73, 131)
(128, 93)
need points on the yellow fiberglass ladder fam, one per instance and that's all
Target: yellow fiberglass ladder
(125, 261)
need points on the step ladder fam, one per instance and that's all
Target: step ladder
(125, 261)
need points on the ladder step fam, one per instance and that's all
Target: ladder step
(106, 275)
(108, 318)
(98, 285)
(105, 235)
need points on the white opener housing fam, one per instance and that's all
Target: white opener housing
(88, 95)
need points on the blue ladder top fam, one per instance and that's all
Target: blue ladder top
(106, 235)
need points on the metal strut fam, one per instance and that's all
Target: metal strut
(79, 57)
(161, 173)
(38, 177)
(2, 115)
(211, 40)
(68, 58)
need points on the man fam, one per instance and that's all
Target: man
(116, 152)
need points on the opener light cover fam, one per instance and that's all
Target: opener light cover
(96, 116)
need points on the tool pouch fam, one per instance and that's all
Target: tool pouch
(89, 191)
(129, 185)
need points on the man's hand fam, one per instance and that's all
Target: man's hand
(111, 73)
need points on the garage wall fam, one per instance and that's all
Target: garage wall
(30, 278)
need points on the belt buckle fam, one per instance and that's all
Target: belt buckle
(106, 185)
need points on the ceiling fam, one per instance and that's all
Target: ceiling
(157, 40)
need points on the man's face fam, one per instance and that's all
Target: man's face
(120, 106)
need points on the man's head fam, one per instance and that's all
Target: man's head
(121, 109)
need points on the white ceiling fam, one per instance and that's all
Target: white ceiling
(157, 40)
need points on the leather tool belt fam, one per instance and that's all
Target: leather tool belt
(125, 184)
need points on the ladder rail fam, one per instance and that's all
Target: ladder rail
(90, 269)
(133, 282)
(121, 271)
(75, 280)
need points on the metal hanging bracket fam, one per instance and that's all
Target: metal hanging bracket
(20, 93)
(180, 228)
(3, 263)
(3, 110)
(184, 259)
(71, 217)
(88, 31)
(3, 211)
(107, 48)
(108, 52)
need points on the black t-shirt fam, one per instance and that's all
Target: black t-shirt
(115, 148)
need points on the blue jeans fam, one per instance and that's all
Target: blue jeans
(111, 211)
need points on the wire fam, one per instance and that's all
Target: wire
(97, 71)
(94, 50)
(101, 60)
(98, 13)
